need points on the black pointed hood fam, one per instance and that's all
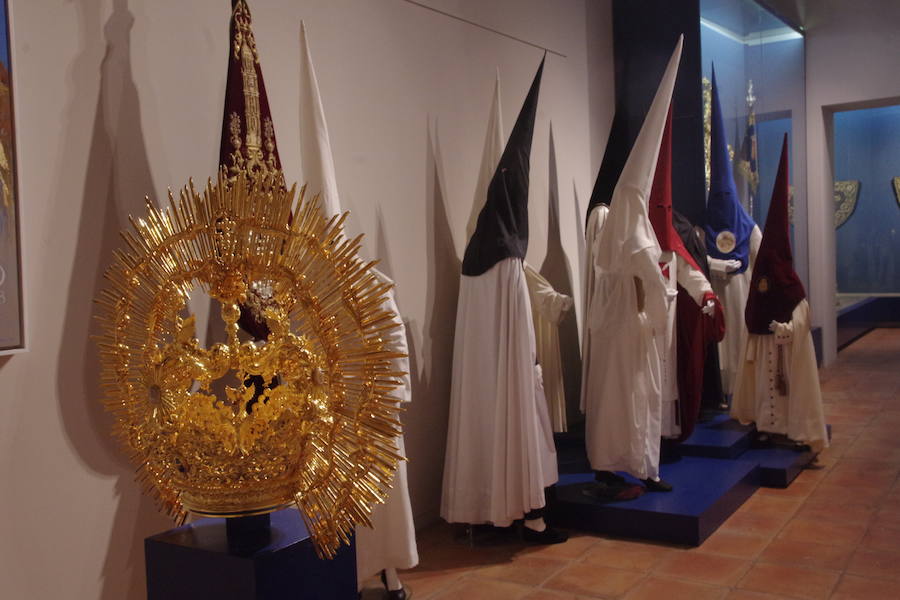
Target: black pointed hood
(617, 148)
(502, 229)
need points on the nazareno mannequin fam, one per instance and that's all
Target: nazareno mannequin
(623, 412)
(500, 453)
(777, 384)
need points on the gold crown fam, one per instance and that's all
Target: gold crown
(240, 428)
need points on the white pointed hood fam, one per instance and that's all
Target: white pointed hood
(316, 162)
(493, 150)
(628, 230)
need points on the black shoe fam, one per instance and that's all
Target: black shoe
(550, 535)
(400, 594)
(657, 485)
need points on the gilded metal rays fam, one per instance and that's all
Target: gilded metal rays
(241, 427)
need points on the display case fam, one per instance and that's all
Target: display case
(867, 203)
(759, 70)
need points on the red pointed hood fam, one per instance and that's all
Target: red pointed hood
(775, 288)
(248, 135)
(660, 209)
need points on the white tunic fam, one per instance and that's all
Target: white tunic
(732, 290)
(676, 271)
(391, 543)
(592, 337)
(797, 414)
(500, 452)
(623, 399)
(547, 309)
(623, 413)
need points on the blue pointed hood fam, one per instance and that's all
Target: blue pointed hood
(728, 226)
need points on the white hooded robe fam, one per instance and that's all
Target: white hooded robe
(623, 413)
(798, 414)
(391, 542)
(500, 452)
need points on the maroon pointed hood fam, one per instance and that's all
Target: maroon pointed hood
(660, 209)
(775, 288)
(248, 135)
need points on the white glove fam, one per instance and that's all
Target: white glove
(567, 304)
(732, 265)
(784, 332)
(709, 309)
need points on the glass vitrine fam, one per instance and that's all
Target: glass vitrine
(759, 69)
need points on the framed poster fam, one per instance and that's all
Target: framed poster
(12, 327)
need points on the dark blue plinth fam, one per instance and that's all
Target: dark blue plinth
(778, 467)
(720, 437)
(706, 492)
(570, 452)
(194, 561)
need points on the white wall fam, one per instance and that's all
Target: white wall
(116, 99)
(851, 62)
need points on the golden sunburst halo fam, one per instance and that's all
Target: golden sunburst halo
(245, 427)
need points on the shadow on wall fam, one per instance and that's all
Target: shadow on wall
(557, 271)
(426, 420)
(118, 176)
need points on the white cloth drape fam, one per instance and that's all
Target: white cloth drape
(548, 307)
(500, 452)
(591, 337)
(391, 542)
(732, 290)
(797, 414)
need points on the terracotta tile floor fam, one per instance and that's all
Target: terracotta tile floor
(835, 533)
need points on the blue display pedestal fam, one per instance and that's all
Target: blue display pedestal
(195, 561)
(707, 491)
(718, 472)
(720, 437)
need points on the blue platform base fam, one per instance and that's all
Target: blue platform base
(720, 437)
(718, 472)
(706, 492)
(778, 467)
(195, 561)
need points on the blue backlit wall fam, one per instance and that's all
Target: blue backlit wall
(867, 148)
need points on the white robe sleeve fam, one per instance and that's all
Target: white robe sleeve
(656, 297)
(692, 280)
(717, 267)
(550, 304)
(806, 420)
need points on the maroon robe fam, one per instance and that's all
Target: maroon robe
(693, 330)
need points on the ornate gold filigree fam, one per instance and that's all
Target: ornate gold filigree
(707, 129)
(241, 428)
(248, 155)
(243, 31)
(845, 196)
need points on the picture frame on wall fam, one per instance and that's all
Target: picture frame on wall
(12, 323)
